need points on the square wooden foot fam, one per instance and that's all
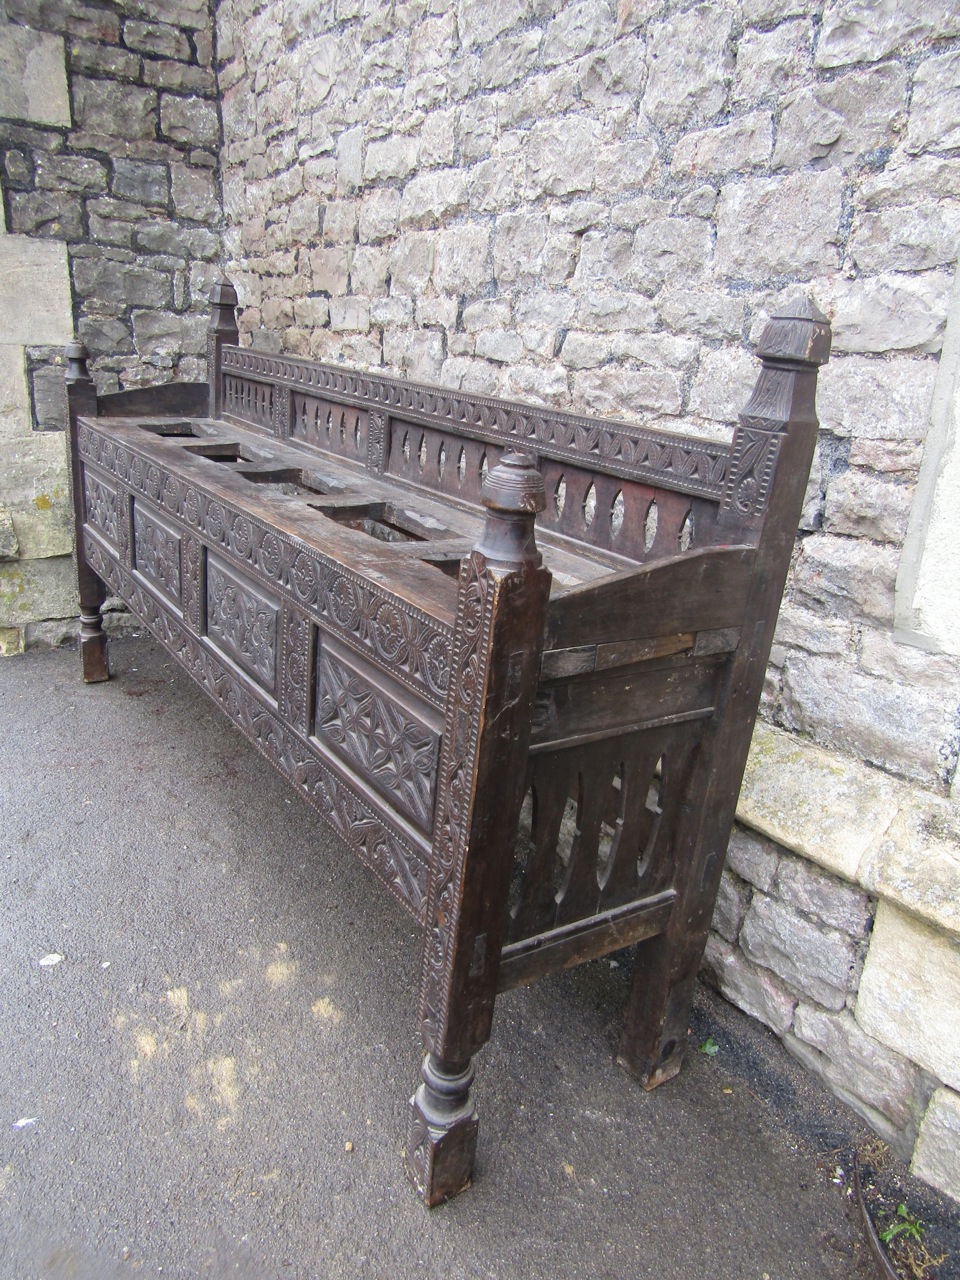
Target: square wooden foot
(93, 659)
(443, 1134)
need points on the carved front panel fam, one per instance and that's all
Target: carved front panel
(101, 506)
(156, 550)
(389, 851)
(366, 727)
(242, 621)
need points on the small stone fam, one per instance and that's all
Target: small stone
(462, 263)
(864, 31)
(817, 893)
(489, 313)
(33, 80)
(391, 312)
(330, 269)
(370, 270)
(46, 213)
(157, 38)
(752, 857)
(852, 388)
(70, 173)
(192, 120)
(412, 262)
(106, 108)
(608, 311)
(845, 578)
(752, 989)
(780, 226)
(914, 238)
(9, 544)
(501, 346)
(711, 315)
(379, 212)
(585, 350)
(15, 417)
(33, 589)
(843, 120)
(430, 198)
(393, 157)
(865, 506)
(655, 349)
(616, 393)
(181, 77)
(577, 29)
(678, 250)
(509, 60)
(535, 383)
(117, 283)
(733, 899)
(936, 1158)
(887, 724)
(806, 630)
(771, 64)
(909, 996)
(560, 157)
(148, 184)
(476, 376)
(691, 62)
(49, 398)
(740, 145)
(35, 300)
(349, 314)
(159, 333)
(935, 106)
(481, 23)
(416, 354)
(518, 243)
(98, 60)
(813, 960)
(723, 383)
(350, 160)
(194, 193)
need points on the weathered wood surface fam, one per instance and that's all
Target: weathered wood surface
(521, 685)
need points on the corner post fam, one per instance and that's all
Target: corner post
(763, 498)
(82, 402)
(222, 331)
(497, 646)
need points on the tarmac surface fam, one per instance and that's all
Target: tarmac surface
(215, 1075)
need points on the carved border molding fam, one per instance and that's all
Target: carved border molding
(401, 639)
(694, 466)
(461, 732)
(387, 851)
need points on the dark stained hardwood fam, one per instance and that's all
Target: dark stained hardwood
(513, 656)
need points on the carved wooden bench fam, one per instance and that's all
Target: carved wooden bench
(513, 656)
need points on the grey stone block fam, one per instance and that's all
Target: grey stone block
(157, 38)
(754, 990)
(937, 1155)
(107, 108)
(192, 120)
(817, 893)
(116, 284)
(811, 959)
(46, 213)
(147, 184)
(33, 78)
(49, 398)
(753, 858)
(732, 902)
(70, 173)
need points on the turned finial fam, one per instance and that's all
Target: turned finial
(800, 335)
(223, 308)
(76, 354)
(513, 494)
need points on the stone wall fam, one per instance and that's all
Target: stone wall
(109, 140)
(597, 205)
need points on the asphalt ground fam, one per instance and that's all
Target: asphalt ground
(216, 1074)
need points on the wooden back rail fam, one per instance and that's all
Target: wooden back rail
(513, 656)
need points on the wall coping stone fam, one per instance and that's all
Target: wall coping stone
(892, 838)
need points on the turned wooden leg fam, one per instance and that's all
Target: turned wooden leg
(443, 1131)
(93, 639)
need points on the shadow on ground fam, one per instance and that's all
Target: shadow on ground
(216, 1073)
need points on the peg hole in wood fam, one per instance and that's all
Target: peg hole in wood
(422, 452)
(610, 827)
(568, 840)
(461, 466)
(650, 823)
(405, 447)
(484, 468)
(356, 434)
(524, 848)
(441, 460)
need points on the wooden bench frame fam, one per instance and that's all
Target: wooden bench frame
(513, 656)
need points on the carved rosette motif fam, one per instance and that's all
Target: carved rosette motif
(476, 599)
(157, 553)
(404, 640)
(394, 750)
(385, 849)
(295, 678)
(697, 467)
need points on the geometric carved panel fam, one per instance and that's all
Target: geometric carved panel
(243, 621)
(157, 552)
(364, 726)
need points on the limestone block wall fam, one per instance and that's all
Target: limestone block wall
(109, 138)
(597, 205)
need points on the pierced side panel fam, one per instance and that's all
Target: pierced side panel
(336, 428)
(598, 827)
(438, 460)
(247, 400)
(632, 519)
